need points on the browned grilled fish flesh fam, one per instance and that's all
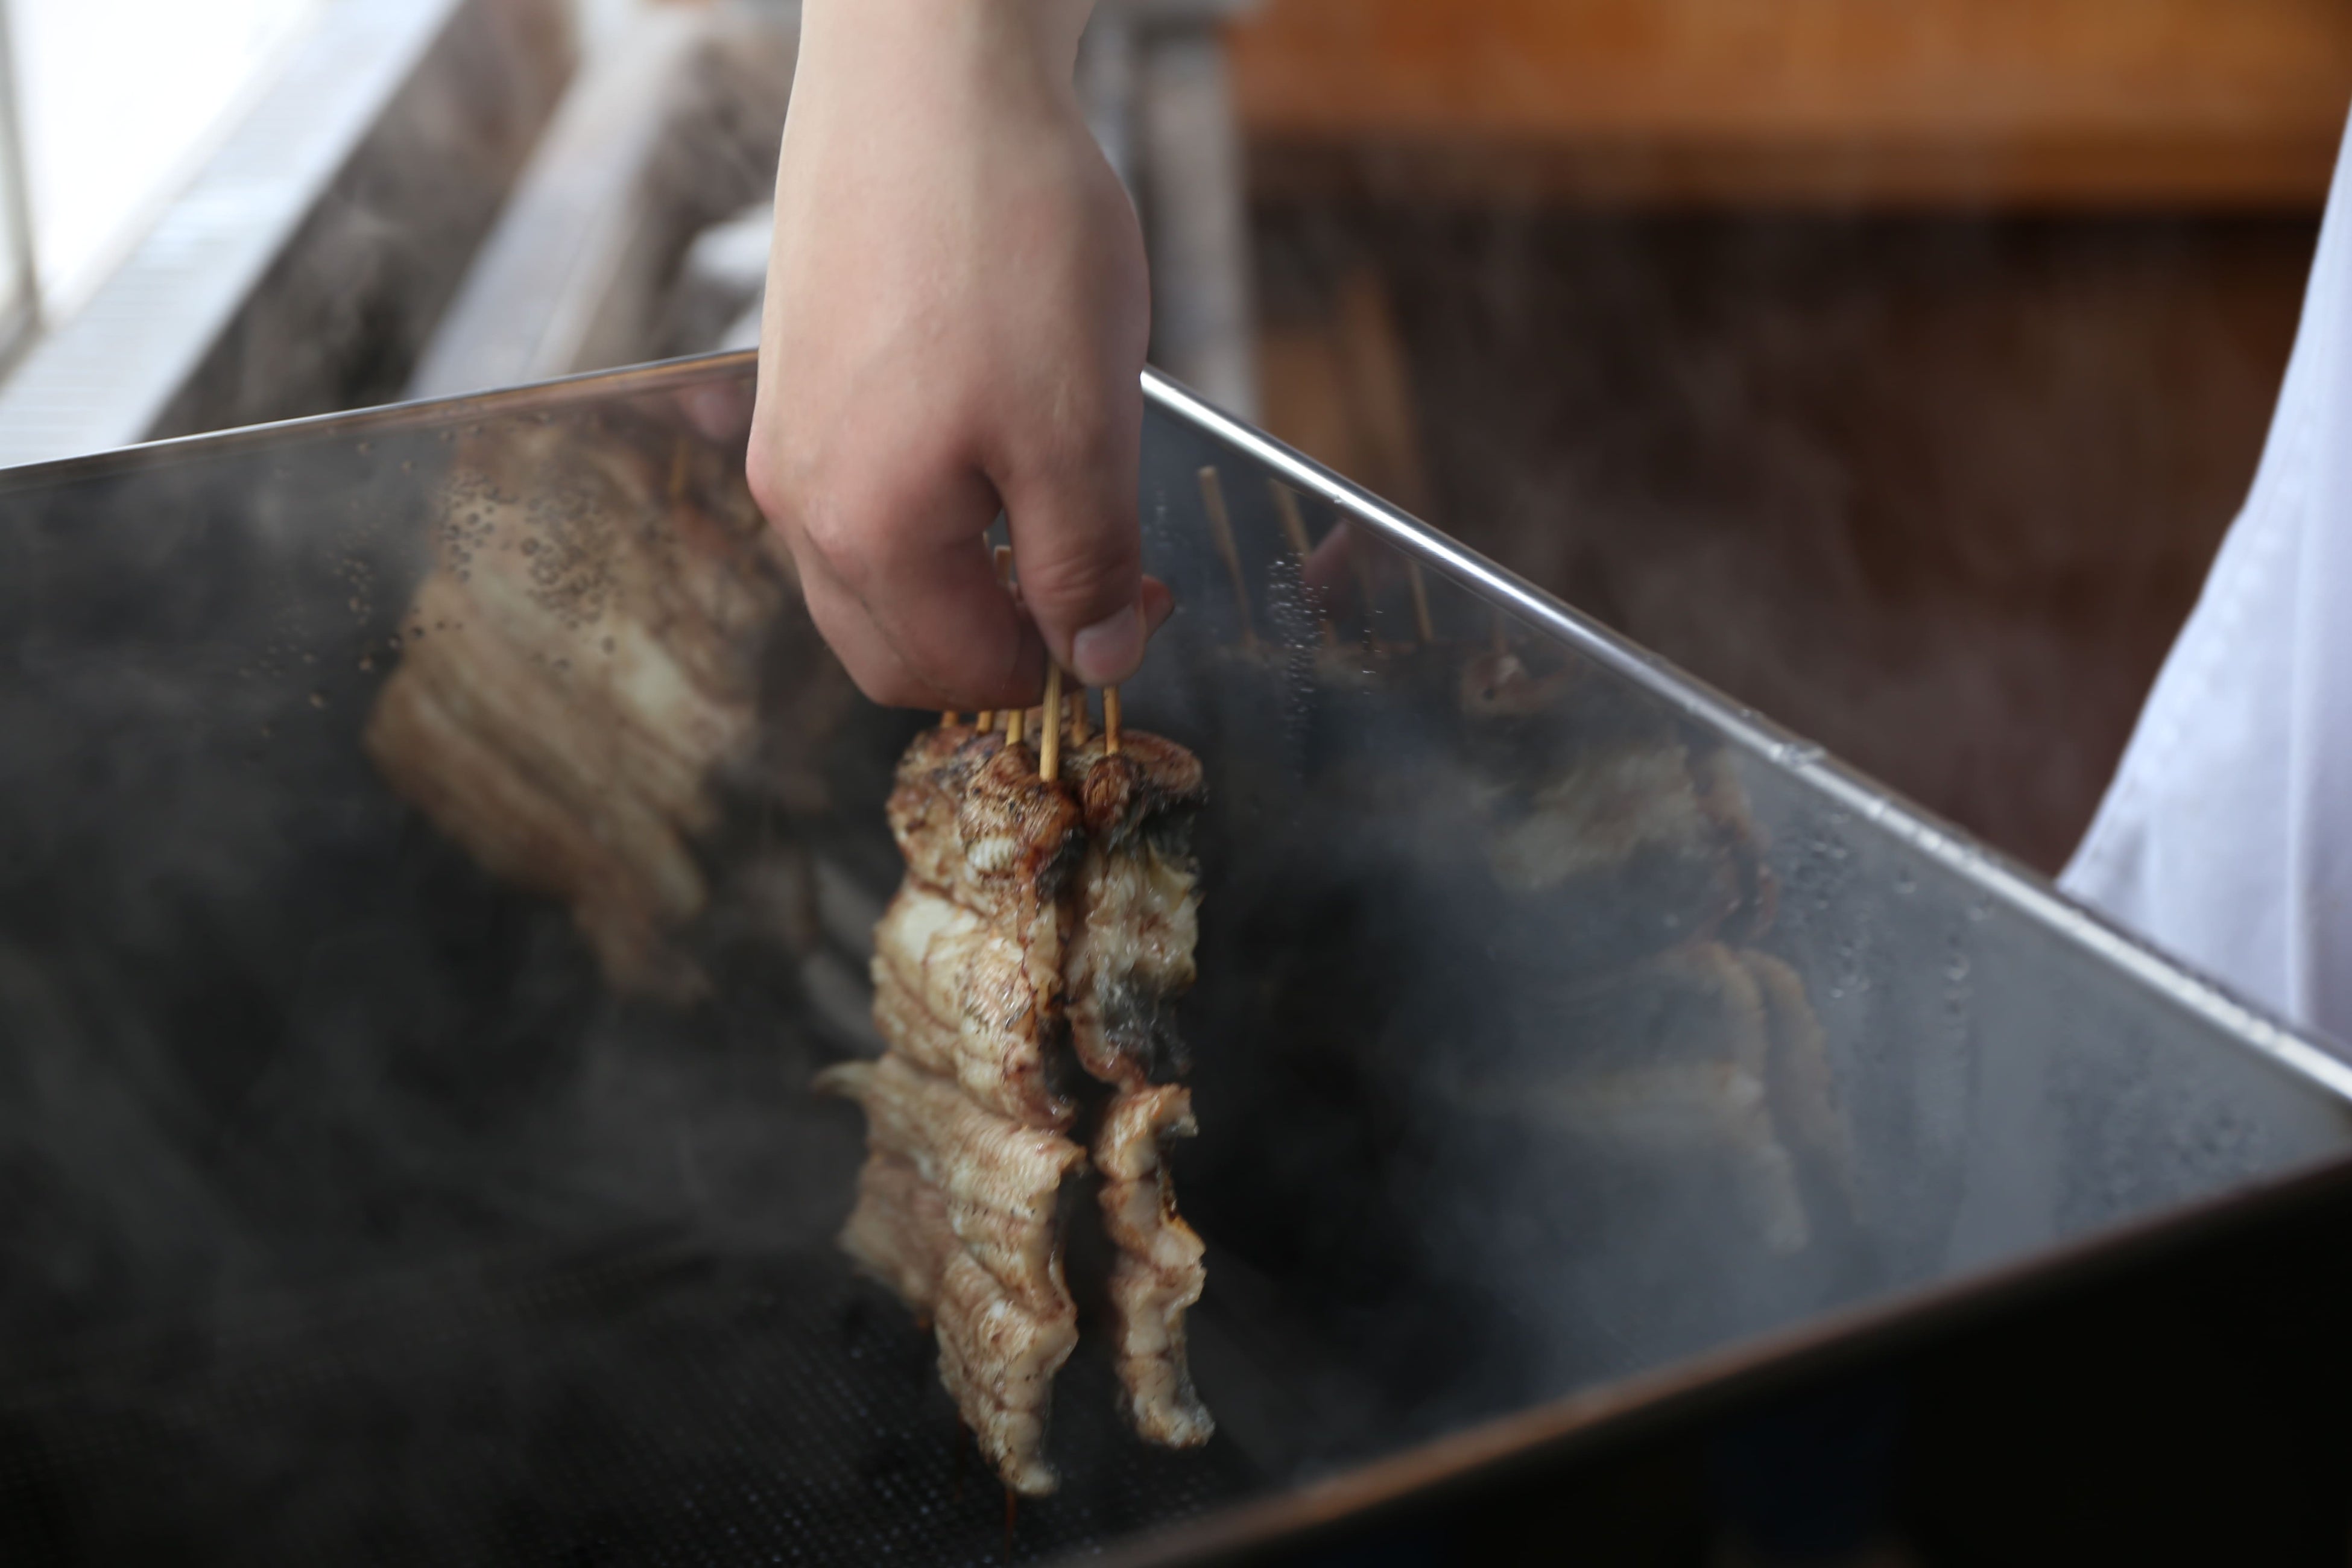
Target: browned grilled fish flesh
(1138, 920)
(1032, 913)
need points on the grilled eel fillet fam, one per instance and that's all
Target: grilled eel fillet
(968, 959)
(1138, 901)
(957, 1205)
(1020, 897)
(956, 1212)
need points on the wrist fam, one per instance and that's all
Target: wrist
(919, 38)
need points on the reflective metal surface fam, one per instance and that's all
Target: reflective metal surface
(1564, 1035)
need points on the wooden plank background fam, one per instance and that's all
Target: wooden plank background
(2059, 104)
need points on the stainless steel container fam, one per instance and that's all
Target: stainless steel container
(1568, 1039)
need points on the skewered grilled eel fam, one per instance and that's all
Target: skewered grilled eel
(1131, 957)
(1042, 924)
(957, 1212)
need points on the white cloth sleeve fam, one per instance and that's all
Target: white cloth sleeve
(2226, 835)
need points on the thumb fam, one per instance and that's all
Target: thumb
(1078, 547)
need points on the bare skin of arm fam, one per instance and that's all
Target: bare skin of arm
(956, 317)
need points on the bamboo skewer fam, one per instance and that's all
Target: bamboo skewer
(1421, 617)
(1078, 717)
(1049, 726)
(1013, 721)
(1004, 558)
(1110, 720)
(948, 719)
(1221, 527)
(1294, 526)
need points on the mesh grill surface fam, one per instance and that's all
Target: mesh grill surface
(661, 1408)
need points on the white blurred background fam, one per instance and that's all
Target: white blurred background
(115, 104)
(119, 102)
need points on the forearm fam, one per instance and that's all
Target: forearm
(850, 38)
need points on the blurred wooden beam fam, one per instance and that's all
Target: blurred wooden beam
(2211, 104)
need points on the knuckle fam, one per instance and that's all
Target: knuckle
(762, 472)
(849, 535)
(1077, 440)
(868, 525)
(834, 540)
(806, 494)
(1103, 577)
(1095, 559)
(779, 467)
(1081, 549)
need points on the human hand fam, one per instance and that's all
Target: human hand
(956, 317)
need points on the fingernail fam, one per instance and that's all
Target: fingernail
(1108, 651)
